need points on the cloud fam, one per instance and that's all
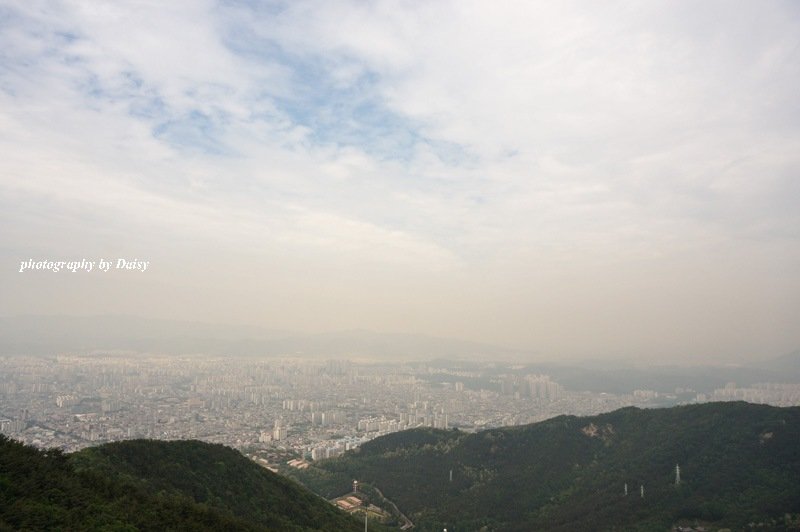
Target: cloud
(400, 139)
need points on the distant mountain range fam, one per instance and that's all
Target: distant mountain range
(621, 379)
(50, 335)
(151, 485)
(739, 464)
(787, 365)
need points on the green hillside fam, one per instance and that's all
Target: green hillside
(740, 464)
(149, 485)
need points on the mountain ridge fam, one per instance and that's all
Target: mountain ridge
(49, 335)
(739, 464)
(154, 485)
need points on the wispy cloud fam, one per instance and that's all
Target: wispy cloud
(516, 149)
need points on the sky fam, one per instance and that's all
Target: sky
(577, 179)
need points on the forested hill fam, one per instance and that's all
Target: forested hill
(739, 464)
(150, 485)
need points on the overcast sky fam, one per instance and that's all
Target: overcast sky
(581, 179)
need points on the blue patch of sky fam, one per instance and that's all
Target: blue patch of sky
(66, 37)
(16, 62)
(347, 114)
(451, 153)
(93, 88)
(10, 17)
(268, 7)
(336, 113)
(125, 87)
(148, 107)
(194, 131)
(145, 102)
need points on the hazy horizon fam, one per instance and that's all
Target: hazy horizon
(579, 180)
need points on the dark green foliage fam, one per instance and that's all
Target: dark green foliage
(40, 490)
(740, 463)
(147, 485)
(219, 477)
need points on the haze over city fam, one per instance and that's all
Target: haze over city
(573, 180)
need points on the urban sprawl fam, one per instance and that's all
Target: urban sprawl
(290, 410)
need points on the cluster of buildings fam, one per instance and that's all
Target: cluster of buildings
(536, 386)
(303, 409)
(777, 394)
(403, 421)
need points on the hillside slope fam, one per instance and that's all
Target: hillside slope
(149, 485)
(740, 463)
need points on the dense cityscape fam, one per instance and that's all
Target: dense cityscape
(277, 410)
